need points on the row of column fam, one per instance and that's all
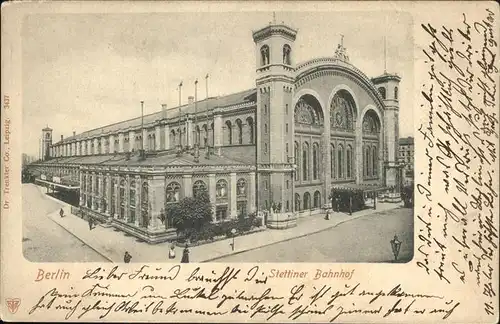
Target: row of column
(156, 196)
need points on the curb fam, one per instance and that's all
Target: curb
(286, 240)
(80, 239)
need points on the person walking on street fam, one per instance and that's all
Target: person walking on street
(171, 252)
(90, 223)
(185, 255)
(327, 216)
(127, 257)
(61, 213)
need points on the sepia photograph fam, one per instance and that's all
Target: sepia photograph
(218, 137)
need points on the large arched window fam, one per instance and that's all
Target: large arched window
(297, 202)
(228, 133)
(132, 201)
(145, 204)
(250, 130)
(264, 55)
(221, 189)
(349, 161)
(307, 201)
(287, 50)
(296, 154)
(123, 187)
(317, 199)
(340, 161)
(199, 187)
(381, 90)
(172, 192)
(315, 161)
(342, 112)
(308, 111)
(239, 128)
(305, 161)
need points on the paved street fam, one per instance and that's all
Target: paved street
(365, 239)
(46, 241)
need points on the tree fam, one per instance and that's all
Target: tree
(191, 213)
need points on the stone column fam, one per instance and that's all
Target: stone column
(137, 200)
(83, 149)
(81, 186)
(126, 198)
(358, 152)
(251, 192)
(167, 137)
(157, 138)
(121, 141)
(108, 196)
(212, 193)
(232, 196)
(156, 201)
(131, 139)
(111, 144)
(89, 147)
(117, 196)
(218, 134)
(102, 194)
(187, 185)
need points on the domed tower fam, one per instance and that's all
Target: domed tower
(46, 142)
(274, 45)
(388, 88)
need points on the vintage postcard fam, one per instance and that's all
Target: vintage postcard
(250, 162)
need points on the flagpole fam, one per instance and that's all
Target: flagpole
(207, 149)
(196, 138)
(142, 127)
(179, 146)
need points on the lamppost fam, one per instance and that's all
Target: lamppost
(233, 232)
(396, 246)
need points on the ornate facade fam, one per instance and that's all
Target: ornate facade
(303, 130)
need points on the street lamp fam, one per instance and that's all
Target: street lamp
(396, 246)
(233, 232)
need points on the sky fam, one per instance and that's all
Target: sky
(83, 71)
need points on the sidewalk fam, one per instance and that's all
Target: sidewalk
(112, 243)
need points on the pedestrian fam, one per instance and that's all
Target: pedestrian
(171, 252)
(61, 213)
(90, 223)
(185, 255)
(127, 257)
(327, 216)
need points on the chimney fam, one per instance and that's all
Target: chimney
(190, 99)
(164, 110)
(62, 137)
(74, 133)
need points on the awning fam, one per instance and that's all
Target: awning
(58, 185)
